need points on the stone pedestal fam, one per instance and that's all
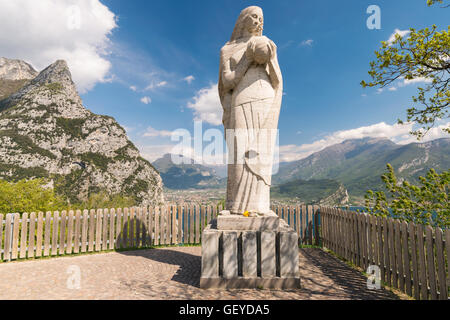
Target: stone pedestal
(253, 252)
(231, 222)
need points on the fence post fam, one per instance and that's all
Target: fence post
(11, 238)
(316, 226)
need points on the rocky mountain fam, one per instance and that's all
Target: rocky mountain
(14, 74)
(45, 131)
(323, 192)
(358, 164)
(187, 175)
(13, 69)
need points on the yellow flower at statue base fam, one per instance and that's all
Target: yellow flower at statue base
(246, 214)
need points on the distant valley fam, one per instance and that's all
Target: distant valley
(188, 174)
(358, 164)
(340, 174)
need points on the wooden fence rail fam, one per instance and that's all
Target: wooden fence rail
(412, 258)
(40, 234)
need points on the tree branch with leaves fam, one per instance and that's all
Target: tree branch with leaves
(423, 56)
(427, 203)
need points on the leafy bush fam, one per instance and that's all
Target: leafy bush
(426, 204)
(34, 196)
(28, 196)
(71, 126)
(102, 200)
(25, 144)
(99, 160)
(54, 87)
(16, 173)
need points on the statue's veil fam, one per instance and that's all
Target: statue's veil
(229, 49)
(239, 27)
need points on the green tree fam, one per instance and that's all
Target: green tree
(104, 200)
(28, 196)
(423, 55)
(431, 2)
(427, 203)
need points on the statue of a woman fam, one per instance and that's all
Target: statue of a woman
(250, 90)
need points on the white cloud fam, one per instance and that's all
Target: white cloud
(146, 100)
(128, 129)
(416, 80)
(133, 88)
(308, 42)
(41, 32)
(432, 134)
(206, 105)
(154, 152)
(155, 85)
(393, 132)
(399, 32)
(405, 82)
(189, 79)
(396, 133)
(152, 132)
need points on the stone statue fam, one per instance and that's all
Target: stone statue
(250, 90)
(248, 245)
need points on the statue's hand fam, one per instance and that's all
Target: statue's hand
(272, 48)
(250, 51)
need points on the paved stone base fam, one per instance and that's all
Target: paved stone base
(171, 274)
(250, 283)
(250, 258)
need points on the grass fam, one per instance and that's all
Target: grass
(303, 246)
(8, 87)
(309, 191)
(54, 87)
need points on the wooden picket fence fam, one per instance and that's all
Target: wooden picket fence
(411, 257)
(304, 220)
(56, 233)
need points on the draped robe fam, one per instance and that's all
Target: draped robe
(250, 116)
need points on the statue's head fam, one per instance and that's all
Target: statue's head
(250, 22)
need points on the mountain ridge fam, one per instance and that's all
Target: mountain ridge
(14, 74)
(46, 132)
(14, 69)
(187, 174)
(359, 164)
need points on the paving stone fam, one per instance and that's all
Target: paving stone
(169, 274)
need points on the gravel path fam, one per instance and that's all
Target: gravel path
(168, 273)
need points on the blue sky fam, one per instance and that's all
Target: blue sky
(166, 52)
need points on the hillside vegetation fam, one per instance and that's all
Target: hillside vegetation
(311, 192)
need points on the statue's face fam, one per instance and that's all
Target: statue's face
(254, 22)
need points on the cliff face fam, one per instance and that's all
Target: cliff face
(11, 69)
(14, 74)
(45, 131)
(340, 198)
